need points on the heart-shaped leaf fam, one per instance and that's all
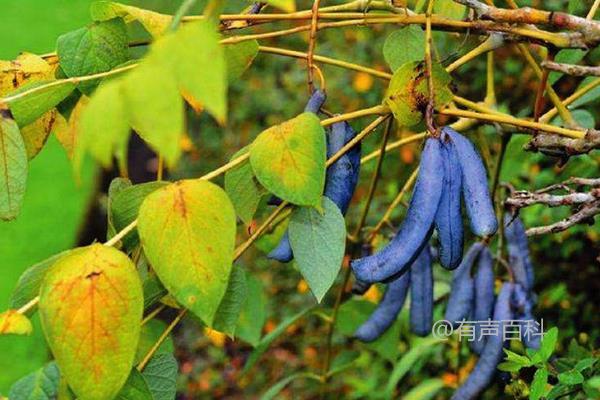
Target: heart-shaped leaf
(91, 309)
(289, 160)
(188, 233)
(243, 188)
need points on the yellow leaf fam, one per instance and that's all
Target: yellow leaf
(91, 305)
(13, 323)
(67, 135)
(155, 23)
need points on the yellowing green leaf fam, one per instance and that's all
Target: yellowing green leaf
(13, 167)
(26, 68)
(187, 230)
(196, 59)
(155, 23)
(285, 5)
(36, 133)
(91, 309)
(99, 47)
(407, 94)
(13, 323)
(30, 107)
(318, 241)
(289, 160)
(104, 128)
(69, 134)
(155, 108)
(449, 9)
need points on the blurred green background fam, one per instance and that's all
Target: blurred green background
(274, 89)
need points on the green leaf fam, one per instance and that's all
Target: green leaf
(509, 366)
(39, 385)
(243, 189)
(416, 353)
(115, 186)
(239, 57)
(404, 45)
(155, 107)
(548, 344)
(586, 363)
(30, 107)
(149, 335)
(13, 167)
(125, 207)
(318, 241)
(229, 310)
(14, 323)
(594, 382)
(153, 291)
(284, 5)
(559, 391)
(99, 47)
(254, 312)
(523, 361)
(538, 385)
(28, 286)
(407, 93)
(187, 230)
(104, 127)
(266, 341)
(182, 52)
(91, 307)
(353, 313)
(135, 388)
(572, 377)
(590, 96)
(289, 160)
(582, 117)
(425, 390)
(161, 376)
(155, 23)
(449, 9)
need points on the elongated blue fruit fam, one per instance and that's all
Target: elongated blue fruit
(483, 305)
(415, 230)
(523, 304)
(485, 369)
(315, 102)
(462, 291)
(421, 294)
(387, 310)
(448, 220)
(475, 186)
(360, 287)
(518, 251)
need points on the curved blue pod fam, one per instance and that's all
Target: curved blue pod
(415, 230)
(518, 251)
(486, 367)
(483, 305)
(387, 310)
(462, 289)
(475, 186)
(360, 287)
(448, 219)
(315, 102)
(421, 294)
(523, 302)
(342, 176)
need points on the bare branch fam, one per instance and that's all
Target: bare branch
(571, 69)
(522, 199)
(589, 29)
(561, 146)
(585, 215)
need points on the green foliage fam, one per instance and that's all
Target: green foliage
(195, 221)
(289, 160)
(96, 48)
(13, 167)
(39, 385)
(135, 388)
(318, 239)
(253, 314)
(403, 46)
(29, 108)
(243, 188)
(161, 376)
(228, 313)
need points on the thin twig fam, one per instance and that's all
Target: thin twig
(161, 339)
(571, 69)
(312, 42)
